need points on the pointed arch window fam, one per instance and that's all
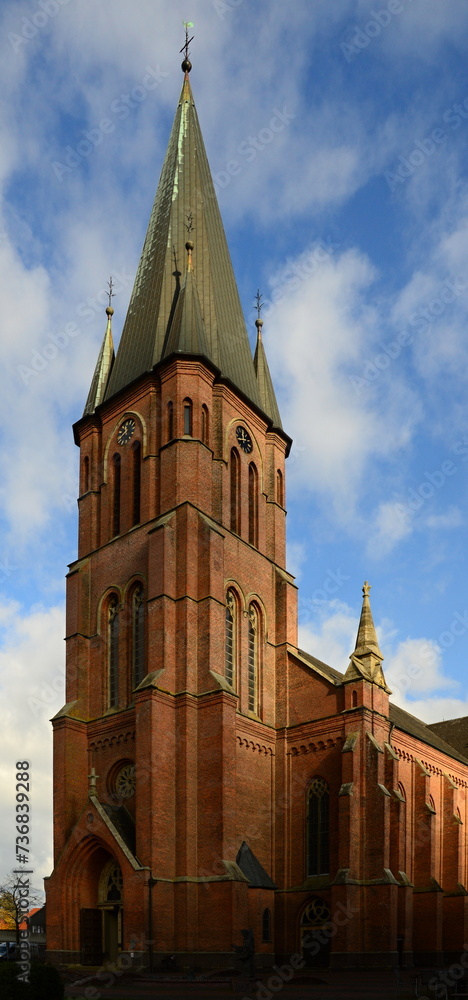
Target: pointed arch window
(205, 429)
(253, 505)
(187, 417)
(235, 490)
(279, 488)
(136, 477)
(266, 926)
(138, 635)
(318, 827)
(170, 421)
(113, 651)
(253, 659)
(116, 476)
(230, 640)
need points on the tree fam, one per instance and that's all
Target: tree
(17, 897)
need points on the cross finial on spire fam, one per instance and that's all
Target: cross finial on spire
(187, 65)
(258, 303)
(111, 293)
(259, 306)
(366, 589)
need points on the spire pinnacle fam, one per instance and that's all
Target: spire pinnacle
(259, 307)
(366, 660)
(187, 65)
(111, 293)
(105, 361)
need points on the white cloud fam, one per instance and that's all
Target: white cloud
(32, 691)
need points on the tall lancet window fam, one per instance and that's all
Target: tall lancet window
(138, 636)
(253, 659)
(318, 828)
(205, 430)
(253, 505)
(116, 495)
(187, 417)
(235, 491)
(113, 651)
(136, 477)
(279, 488)
(230, 647)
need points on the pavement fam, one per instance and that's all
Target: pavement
(327, 985)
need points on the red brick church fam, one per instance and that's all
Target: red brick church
(215, 786)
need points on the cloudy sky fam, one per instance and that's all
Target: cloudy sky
(351, 215)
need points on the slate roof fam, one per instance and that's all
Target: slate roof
(415, 727)
(252, 869)
(453, 731)
(435, 735)
(186, 206)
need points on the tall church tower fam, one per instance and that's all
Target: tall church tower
(179, 611)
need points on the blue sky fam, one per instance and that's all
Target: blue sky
(337, 136)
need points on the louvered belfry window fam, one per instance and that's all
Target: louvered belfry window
(230, 647)
(113, 645)
(138, 637)
(253, 660)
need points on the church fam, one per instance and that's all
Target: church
(218, 792)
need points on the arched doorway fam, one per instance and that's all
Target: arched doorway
(110, 903)
(99, 892)
(314, 933)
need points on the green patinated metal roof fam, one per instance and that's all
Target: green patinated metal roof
(187, 333)
(265, 384)
(186, 198)
(102, 370)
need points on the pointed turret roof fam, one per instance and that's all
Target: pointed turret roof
(157, 323)
(264, 381)
(103, 368)
(366, 660)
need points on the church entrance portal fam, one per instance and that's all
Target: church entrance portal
(315, 941)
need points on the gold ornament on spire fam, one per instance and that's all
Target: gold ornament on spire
(187, 65)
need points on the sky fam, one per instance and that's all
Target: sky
(337, 137)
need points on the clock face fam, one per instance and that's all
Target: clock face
(125, 431)
(244, 439)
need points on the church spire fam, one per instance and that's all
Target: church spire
(262, 371)
(104, 363)
(366, 660)
(186, 190)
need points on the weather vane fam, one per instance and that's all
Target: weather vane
(185, 48)
(110, 293)
(259, 304)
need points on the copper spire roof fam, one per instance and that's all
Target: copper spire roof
(265, 384)
(103, 368)
(157, 324)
